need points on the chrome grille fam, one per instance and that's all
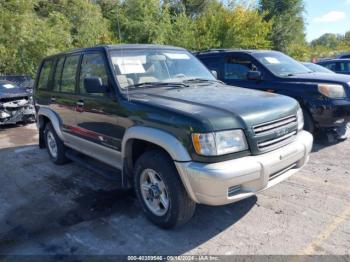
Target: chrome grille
(272, 125)
(274, 134)
(272, 143)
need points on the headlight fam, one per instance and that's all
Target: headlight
(219, 143)
(300, 119)
(331, 91)
(4, 115)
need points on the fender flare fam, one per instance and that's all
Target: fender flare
(158, 137)
(54, 119)
(168, 142)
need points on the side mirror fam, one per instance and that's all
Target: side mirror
(214, 73)
(93, 85)
(254, 75)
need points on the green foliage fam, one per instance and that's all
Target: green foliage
(327, 40)
(33, 29)
(287, 22)
(329, 45)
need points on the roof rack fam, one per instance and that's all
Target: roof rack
(218, 50)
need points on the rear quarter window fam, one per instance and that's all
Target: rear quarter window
(44, 76)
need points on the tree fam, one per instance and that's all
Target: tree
(237, 21)
(33, 29)
(191, 8)
(222, 27)
(287, 22)
(328, 40)
(144, 21)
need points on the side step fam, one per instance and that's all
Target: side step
(96, 166)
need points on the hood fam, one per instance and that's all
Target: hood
(225, 107)
(13, 93)
(321, 77)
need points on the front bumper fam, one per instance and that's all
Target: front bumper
(332, 114)
(230, 181)
(20, 114)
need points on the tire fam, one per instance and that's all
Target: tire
(180, 207)
(343, 133)
(309, 124)
(51, 138)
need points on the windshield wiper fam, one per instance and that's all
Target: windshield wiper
(295, 74)
(157, 84)
(198, 80)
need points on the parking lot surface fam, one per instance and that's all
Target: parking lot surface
(48, 209)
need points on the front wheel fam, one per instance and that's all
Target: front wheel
(308, 122)
(343, 132)
(160, 191)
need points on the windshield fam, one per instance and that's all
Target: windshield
(281, 65)
(147, 67)
(318, 68)
(7, 86)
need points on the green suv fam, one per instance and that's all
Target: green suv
(153, 118)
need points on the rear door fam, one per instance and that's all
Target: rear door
(97, 114)
(64, 93)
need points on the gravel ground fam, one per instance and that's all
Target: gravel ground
(47, 209)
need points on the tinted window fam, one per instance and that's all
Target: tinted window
(93, 65)
(213, 63)
(237, 68)
(344, 66)
(330, 66)
(45, 74)
(57, 74)
(69, 74)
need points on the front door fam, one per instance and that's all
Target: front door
(97, 113)
(236, 68)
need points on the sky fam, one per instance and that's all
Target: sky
(326, 16)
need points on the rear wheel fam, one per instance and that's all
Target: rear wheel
(160, 191)
(55, 146)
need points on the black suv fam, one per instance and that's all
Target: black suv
(323, 97)
(340, 66)
(155, 119)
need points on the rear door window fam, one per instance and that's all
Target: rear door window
(44, 77)
(330, 66)
(69, 73)
(57, 74)
(344, 66)
(213, 63)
